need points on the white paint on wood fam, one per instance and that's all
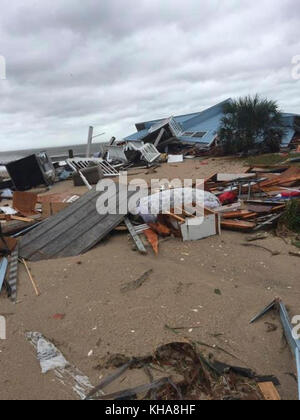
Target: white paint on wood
(198, 228)
(175, 158)
(233, 177)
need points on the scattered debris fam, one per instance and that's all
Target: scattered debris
(190, 376)
(63, 225)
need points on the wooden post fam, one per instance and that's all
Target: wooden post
(89, 143)
(37, 292)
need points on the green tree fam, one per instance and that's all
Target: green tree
(251, 123)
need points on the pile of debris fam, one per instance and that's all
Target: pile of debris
(38, 225)
(180, 371)
(256, 199)
(175, 371)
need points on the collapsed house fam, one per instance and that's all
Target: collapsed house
(199, 131)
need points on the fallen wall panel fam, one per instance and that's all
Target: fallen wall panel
(71, 232)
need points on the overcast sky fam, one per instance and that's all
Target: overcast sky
(112, 63)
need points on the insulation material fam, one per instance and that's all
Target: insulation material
(149, 207)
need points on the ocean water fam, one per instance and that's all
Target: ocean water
(54, 152)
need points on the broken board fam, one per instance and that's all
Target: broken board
(269, 391)
(237, 225)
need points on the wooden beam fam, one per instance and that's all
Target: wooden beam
(269, 391)
(22, 219)
(175, 217)
(237, 225)
(236, 214)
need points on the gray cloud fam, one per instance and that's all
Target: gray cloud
(115, 62)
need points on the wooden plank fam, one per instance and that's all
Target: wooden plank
(237, 225)
(175, 217)
(249, 216)
(278, 208)
(269, 391)
(22, 219)
(287, 177)
(15, 226)
(135, 237)
(236, 214)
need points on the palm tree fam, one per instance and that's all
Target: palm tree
(251, 123)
